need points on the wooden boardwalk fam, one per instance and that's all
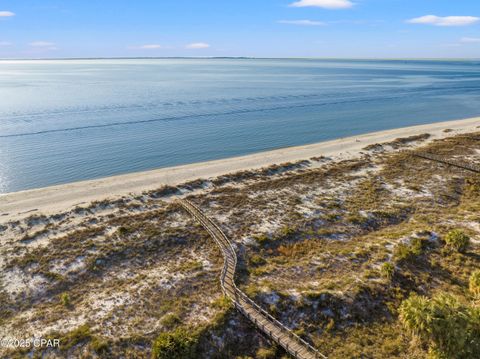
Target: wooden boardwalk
(275, 330)
(447, 161)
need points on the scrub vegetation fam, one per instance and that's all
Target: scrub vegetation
(373, 256)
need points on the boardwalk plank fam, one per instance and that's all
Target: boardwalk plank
(271, 327)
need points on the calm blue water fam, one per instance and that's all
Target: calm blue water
(63, 121)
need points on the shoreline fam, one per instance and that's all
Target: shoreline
(53, 199)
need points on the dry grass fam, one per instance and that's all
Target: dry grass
(313, 237)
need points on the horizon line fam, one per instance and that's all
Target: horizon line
(248, 58)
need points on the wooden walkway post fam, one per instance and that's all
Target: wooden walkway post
(270, 326)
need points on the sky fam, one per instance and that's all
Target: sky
(252, 28)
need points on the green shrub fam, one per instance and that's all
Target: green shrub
(451, 329)
(457, 240)
(223, 303)
(261, 239)
(252, 290)
(170, 320)
(474, 284)
(402, 252)
(178, 344)
(416, 247)
(65, 299)
(405, 252)
(356, 218)
(256, 260)
(473, 187)
(300, 332)
(388, 270)
(330, 325)
(123, 231)
(76, 336)
(287, 231)
(264, 353)
(414, 314)
(100, 346)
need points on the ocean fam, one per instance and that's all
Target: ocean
(69, 120)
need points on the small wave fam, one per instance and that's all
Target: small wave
(367, 97)
(186, 117)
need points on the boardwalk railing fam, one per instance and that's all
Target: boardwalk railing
(447, 161)
(275, 330)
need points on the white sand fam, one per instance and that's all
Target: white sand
(55, 199)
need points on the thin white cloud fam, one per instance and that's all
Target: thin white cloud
(5, 43)
(150, 47)
(6, 14)
(198, 45)
(444, 21)
(302, 22)
(43, 45)
(470, 40)
(326, 4)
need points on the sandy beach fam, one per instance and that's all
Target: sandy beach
(54, 199)
(317, 226)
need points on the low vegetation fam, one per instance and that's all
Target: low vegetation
(376, 256)
(65, 298)
(449, 328)
(179, 344)
(474, 284)
(457, 240)
(388, 270)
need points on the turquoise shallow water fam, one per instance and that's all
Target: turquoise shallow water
(69, 120)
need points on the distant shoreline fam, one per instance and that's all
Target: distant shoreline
(238, 58)
(49, 200)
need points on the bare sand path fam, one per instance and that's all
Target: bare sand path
(50, 200)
